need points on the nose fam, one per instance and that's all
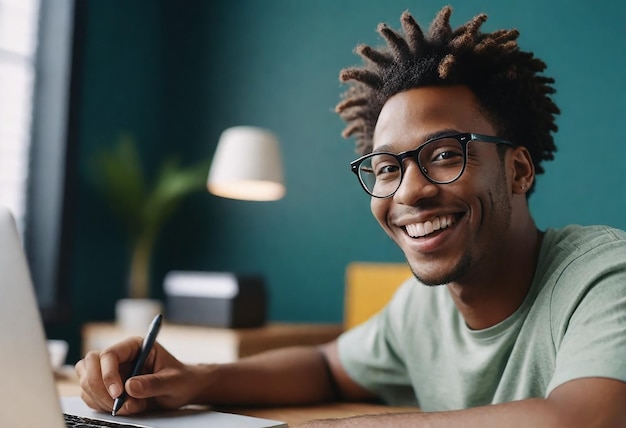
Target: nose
(414, 186)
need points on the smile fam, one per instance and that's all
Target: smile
(418, 230)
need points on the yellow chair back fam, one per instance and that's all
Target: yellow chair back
(369, 286)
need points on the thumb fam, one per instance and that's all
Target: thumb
(139, 387)
(148, 385)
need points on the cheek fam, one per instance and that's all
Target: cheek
(379, 209)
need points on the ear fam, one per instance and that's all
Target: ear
(523, 170)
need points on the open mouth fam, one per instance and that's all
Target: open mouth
(430, 227)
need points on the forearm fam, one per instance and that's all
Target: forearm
(537, 413)
(288, 376)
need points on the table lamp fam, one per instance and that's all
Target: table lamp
(247, 165)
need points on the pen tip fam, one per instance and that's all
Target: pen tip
(113, 413)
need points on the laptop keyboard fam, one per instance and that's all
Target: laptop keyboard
(73, 421)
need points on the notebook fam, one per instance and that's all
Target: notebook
(28, 393)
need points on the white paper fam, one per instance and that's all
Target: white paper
(184, 418)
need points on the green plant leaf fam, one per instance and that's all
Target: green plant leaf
(119, 174)
(173, 183)
(142, 208)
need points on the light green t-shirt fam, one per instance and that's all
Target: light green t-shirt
(572, 324)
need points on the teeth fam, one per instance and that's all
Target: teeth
(417, 230)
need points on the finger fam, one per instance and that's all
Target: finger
(91, 381)
(125, 350)
(133, 404)
(111, 377)
(111, 360)
(79, 368)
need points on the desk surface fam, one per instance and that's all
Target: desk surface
(300, 414)
(67, 386)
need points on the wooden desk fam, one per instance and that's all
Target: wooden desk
(68, 386)
(299, 414)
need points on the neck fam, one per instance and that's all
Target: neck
(497, 287)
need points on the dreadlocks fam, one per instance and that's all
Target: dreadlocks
(507, 83)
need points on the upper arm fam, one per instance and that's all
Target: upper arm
(368, 361)
(588, 314)
(345, 387)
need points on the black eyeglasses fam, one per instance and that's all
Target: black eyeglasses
(442, 160)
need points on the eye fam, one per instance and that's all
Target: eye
(445, 151)
(445, 155)
(385, 167)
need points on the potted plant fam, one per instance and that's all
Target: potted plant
(143, 207)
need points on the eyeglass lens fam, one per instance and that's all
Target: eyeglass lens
(441, 160)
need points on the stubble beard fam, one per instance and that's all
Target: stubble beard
(500, 209)
(461, 268)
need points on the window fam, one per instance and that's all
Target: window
(18, 43)
(35, 59)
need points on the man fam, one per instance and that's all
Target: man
(527, 327)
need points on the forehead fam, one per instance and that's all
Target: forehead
(410, 117)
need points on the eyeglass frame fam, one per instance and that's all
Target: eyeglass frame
(463, 138)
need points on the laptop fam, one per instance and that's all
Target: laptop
(28, 394)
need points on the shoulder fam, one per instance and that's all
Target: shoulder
(582, 246)
(582, 267)
(584, 237)
(587, 250)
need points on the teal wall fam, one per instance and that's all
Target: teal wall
(175, 74)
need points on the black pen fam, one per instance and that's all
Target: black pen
(146, 347)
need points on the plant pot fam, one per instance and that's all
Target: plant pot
(135, 315)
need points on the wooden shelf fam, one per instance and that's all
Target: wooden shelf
(198, 344)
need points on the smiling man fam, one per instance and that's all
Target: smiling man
(502, 324)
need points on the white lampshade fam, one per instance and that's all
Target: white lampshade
(247, 165)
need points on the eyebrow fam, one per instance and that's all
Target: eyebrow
(388, 148)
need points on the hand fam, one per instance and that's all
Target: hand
(169, 383)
